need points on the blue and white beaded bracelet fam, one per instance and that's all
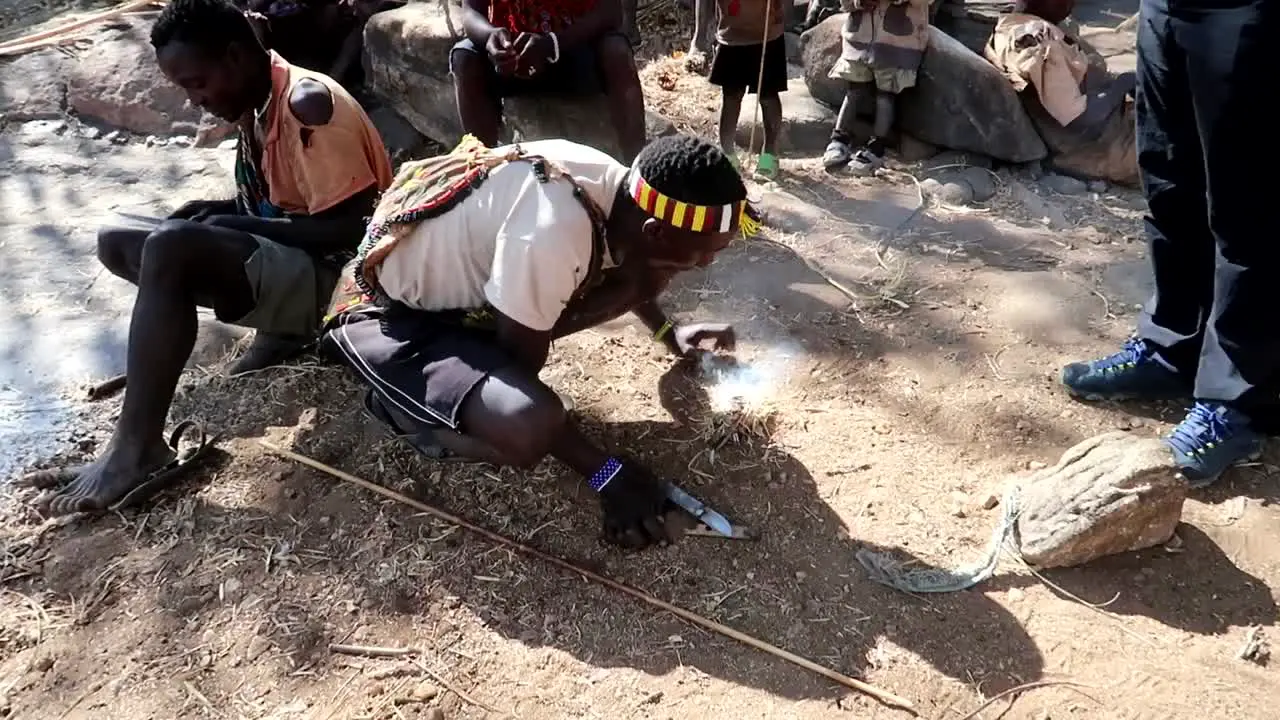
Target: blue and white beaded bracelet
(605, 474)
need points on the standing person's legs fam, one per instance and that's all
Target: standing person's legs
(1238, 369)
(1180, 244)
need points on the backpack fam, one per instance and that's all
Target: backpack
(424, 189)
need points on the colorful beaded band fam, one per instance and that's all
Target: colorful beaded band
(686, 216)
(605, 474)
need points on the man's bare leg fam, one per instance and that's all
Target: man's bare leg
(179, 262)
(626, 98)
(478, 113)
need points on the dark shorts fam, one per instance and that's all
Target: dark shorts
(738, 66)
(577, 73)
(423, 364)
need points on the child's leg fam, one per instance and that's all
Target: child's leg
(730, 109)
(771, 115)
(838, 150)
(886, 112)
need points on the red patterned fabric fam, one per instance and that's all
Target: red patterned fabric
(537, 16)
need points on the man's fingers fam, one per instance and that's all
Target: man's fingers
(656, 527)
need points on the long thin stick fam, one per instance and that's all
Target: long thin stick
(1018, 690)
(34, 40)
(883, 696)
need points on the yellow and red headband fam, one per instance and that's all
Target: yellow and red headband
(687, 216)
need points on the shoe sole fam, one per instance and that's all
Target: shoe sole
(1206, 482)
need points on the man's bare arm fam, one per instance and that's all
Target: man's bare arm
(475, 22)
(603, 17)
(338, 228)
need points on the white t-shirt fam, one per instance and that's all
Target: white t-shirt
(520, 244)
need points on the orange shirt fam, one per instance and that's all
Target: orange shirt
(309, 169)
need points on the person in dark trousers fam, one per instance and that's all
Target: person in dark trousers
(309, 168)
(1208, 334)
(552, 47)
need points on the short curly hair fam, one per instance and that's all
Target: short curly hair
(210, 25)
(692, 170)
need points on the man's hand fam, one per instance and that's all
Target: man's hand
(634, 505)
(534, 53)
(692, 339)
(502, 51)
(199, 210)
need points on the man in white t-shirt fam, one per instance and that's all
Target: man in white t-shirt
(553, 238)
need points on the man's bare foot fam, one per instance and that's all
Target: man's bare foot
(101, 483)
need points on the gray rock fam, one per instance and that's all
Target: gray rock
(982, 181)
(1110, 494)
(806, 123)
(407, 63)
(955, 193)
(1098, 186)
(912, 149)
(1065, 184)
(42, 92)
(119, 83)
(960, 100)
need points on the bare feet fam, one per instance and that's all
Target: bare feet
(103, 482)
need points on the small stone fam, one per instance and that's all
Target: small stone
(424, 692)
(44, 663)
(1015, 595)
(151, 141)
(434, 713)
(1065, 184)
(800, 575)
(1036, 465)
(257, 646)
(981, 181)
(181, 141)
(930, 187)
(990, 501)
(955, 193)
(959, 513)
(1098, 186)
(92, 133)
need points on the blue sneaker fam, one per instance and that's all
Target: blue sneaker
(1134, 373)
(1210, 439)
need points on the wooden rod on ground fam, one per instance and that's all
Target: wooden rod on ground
(883, 696)
(32, 41)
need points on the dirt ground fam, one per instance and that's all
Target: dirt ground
(902, 402)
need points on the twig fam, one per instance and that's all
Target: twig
(883, 696)
(47, 37)
(372, 651)
(456, 690)
(1021, 689)
(107, 388)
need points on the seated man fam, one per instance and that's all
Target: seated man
(309, 167)
(476, 261)
(535, 47)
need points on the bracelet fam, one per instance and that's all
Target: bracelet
(662, 331)
(555, 41)
(605, 474)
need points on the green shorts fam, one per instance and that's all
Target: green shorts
(290, 290)
(888, 80)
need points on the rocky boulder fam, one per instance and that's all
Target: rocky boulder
(1110, 494)
(33, 86)
(960, 100)
(407, 64)
(120, 84)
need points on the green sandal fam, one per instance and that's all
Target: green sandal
(767, 166)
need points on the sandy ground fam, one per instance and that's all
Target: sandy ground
(901, 403)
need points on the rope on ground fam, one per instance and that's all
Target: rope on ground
(883, 696)
(885, 569)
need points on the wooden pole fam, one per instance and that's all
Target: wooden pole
(883, 696)
(52, 35)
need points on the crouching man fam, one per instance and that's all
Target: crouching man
(477, 260)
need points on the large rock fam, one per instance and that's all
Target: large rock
(35, 87)
(1110, 494)
(120, 84)
(407, 64)
(960, 100)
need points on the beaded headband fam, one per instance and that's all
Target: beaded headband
(687, 216)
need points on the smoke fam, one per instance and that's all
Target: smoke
(750, 385)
